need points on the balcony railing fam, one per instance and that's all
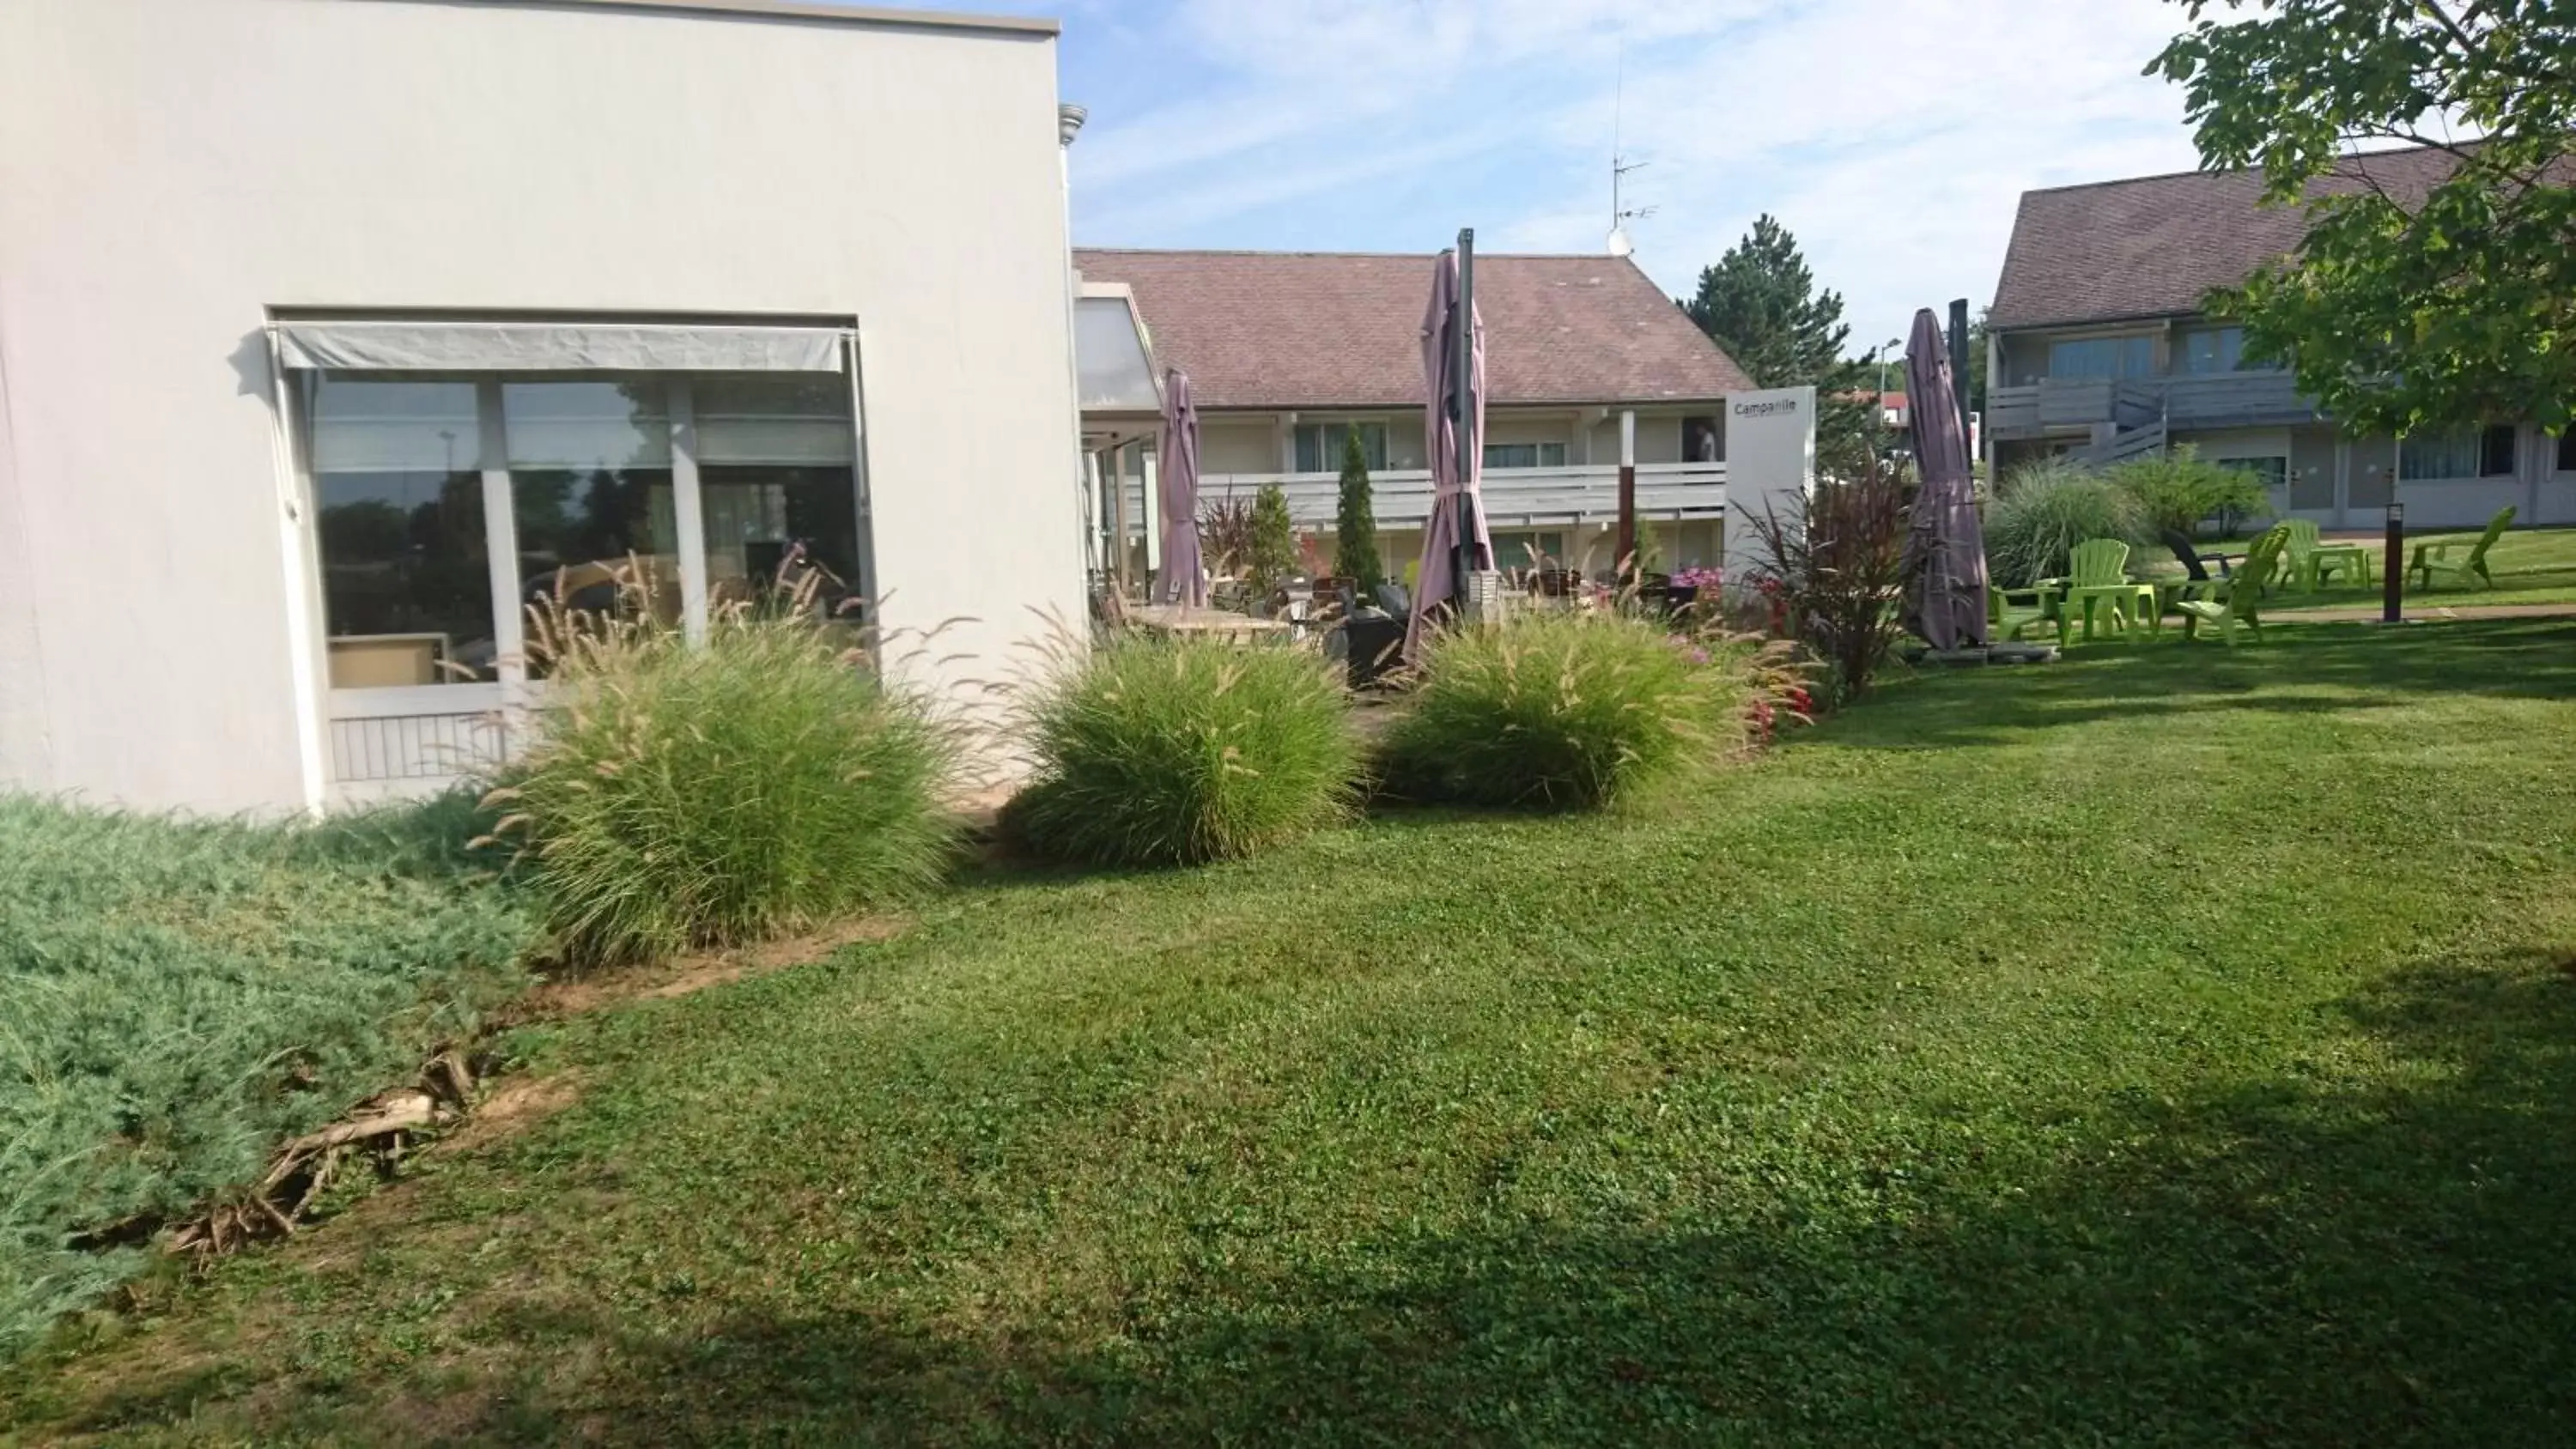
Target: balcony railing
(1579, 494)
(2227, 399)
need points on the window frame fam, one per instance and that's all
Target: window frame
(2124, 343)
(2477, 448)
(1331, 458)
(1539, 455)
(512, 685)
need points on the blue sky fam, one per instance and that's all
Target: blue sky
(1892, 136)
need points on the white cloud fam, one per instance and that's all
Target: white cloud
(1894, 140)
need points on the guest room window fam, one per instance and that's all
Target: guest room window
(2102, 358)
(2473, 453)
(1320, 446)
(1524, 455)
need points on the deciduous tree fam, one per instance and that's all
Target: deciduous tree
(2403, 308)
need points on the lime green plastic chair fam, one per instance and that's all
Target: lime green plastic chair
(2099, 570)
(2011, 611)
(2307, 560)
(2241, 599)
(2470, 569)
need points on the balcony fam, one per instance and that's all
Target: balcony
(2212, 400)
(2236, 399)
(1589, 493)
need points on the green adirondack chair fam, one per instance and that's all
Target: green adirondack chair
(2241, 600)
(2308, 560)
(2471, 568)
(2099, 570)
(2011, 611)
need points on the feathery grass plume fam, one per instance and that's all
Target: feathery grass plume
(2044, 510)
(683, 796)
(1567, 710)
(1159, 751)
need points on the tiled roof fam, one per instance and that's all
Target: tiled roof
(2156, 245)
(1317, 330)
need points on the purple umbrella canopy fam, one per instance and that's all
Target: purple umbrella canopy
(1184, 581)
(1946, 548)
(1456, 472)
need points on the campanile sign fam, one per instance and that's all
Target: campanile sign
(1770, 463)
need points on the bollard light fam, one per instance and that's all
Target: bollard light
(2392, 574)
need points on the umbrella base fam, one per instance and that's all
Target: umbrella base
(2000, 654)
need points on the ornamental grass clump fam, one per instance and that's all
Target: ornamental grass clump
(763, 783)
(2045, 510)
(1160, 752)
(1567, 710)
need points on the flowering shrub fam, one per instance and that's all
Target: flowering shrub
(1705, 580)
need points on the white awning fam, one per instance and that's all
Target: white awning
(555, 347)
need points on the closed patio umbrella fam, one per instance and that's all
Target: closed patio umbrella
(1184, 581)
(1946, 547)
(1454, 419)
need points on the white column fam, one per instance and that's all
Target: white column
(687, 513)
(307, 627)
(1627, 438)
(501, 541)
(1153, 517)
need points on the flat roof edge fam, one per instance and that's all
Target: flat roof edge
(878, 15)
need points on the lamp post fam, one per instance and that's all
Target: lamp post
(2392, 575)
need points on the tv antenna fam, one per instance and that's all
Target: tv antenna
(1620, 243)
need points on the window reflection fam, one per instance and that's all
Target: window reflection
(406, 574)
(778, 492)
(590, 486)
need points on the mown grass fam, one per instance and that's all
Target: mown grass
(2176, 1045)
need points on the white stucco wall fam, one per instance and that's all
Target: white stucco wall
(171, 168)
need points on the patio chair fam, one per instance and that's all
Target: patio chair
(2471, 568)
(2099, 572)
(2197, 584)
(2010, 611)
(2309, 559)
(2241, 597)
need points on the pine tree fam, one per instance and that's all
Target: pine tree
(1760, 303)
(1274, 541)
(1355, 523)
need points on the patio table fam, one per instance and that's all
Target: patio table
(2126, 600)
(2358, 555)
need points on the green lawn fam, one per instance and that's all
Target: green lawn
(2176, 1045)
(2531, 566)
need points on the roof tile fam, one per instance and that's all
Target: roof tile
(2154, 246)
(1316, 330)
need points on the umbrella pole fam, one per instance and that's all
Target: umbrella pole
(1462, 362)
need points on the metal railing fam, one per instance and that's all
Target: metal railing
(1401, 498)
(2195, 401)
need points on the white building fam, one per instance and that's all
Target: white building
(332, 330)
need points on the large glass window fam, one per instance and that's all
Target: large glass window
(591, 491)
(2470, 453)
(1528, 549)
(1524, 455)
(1320, 446)
(2273, 472)
(594, 469)
(406, 575)
(2213, 349)
(780, 501)
(2102, 358)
